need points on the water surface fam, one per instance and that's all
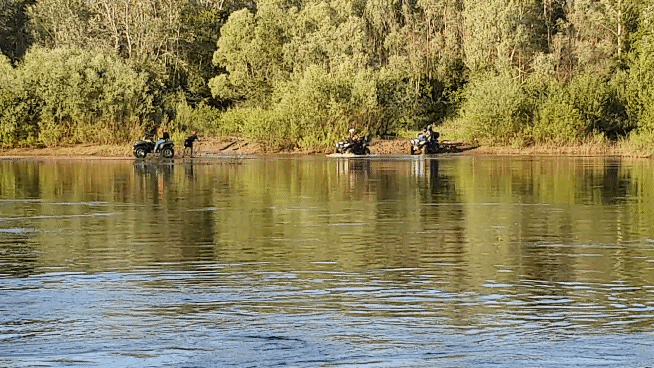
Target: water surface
(374, 262)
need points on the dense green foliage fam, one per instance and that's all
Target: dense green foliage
(72, 96)
(299, 73)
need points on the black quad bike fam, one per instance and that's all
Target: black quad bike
(357, 147)
(146, 147)
(424, 145)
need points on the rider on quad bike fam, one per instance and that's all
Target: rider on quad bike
(354, 144)
(427, 141)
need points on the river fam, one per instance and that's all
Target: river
(449, 261)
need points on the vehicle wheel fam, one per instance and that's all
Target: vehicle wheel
(366, 151)
(168, 152)
(425, 150)
(413, 151)
(140, 152)
(348, 150)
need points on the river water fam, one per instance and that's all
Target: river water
(306, 262)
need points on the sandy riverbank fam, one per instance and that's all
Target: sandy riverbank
(208, 147)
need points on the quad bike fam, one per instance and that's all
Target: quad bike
(424, 145)
(359, 146)
(146, 147)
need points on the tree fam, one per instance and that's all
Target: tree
(14, 35)
(597, 34)
(80, 96)
(503, 35)
(236, 53)
(174, 39)
(382, 19)
(640, 90)
(263, 50)
(553, 15)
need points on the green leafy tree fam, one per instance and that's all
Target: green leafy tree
(9, 125)
(502, 35)
(173, 39)
(596, 34)
(236, 53)
(640, 85)
(323, 105)
(428, 53)
(382, 23)
(14, 35)
(80, 96)
(325, 34)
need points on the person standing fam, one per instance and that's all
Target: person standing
(188, 143)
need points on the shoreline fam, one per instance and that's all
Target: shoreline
(210, 148)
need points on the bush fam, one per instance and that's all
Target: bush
(72, 96)
(640, 142)
(495, 110)
(558, 123)
(185, 118)
(268, 127)
(599, 105)
(8, 99)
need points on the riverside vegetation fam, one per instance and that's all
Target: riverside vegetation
(296, 74)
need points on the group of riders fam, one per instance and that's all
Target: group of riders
(427, 140)
(427, 134)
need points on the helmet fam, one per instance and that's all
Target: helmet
(352, 131)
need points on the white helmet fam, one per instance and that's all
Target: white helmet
(352, 131)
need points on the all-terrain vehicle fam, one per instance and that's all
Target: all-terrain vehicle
(425, 145)
(358, 146)
(146, 146)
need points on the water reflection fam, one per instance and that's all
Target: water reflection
(17, 256)
(478, 256)
(522, 207)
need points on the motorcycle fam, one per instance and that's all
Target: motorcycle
(144, 147)
(424, 145)
(357, 147)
